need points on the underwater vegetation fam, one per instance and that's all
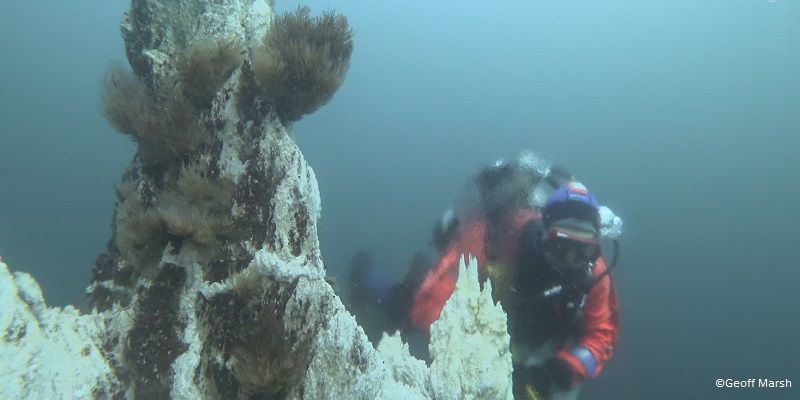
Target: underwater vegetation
(235, 324)
(206, 66)
(196, 210)
(162, 124)
(303, 61)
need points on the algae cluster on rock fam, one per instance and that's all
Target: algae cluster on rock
(303, 61)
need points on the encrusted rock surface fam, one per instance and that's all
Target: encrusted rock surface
(213, 285)
(310, 347)
(469, 346)
(48, 353)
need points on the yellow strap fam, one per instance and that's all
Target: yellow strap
(531, 392)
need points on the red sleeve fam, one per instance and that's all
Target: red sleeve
(600, 330)
(440, 281)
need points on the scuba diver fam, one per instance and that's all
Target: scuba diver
(542, 251)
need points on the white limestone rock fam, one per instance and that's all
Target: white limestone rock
(47, 353)
(470, 345)
(155, 31)
(410, 373)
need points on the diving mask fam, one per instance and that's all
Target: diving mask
(571, 244)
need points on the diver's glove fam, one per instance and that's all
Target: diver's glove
(542, 381)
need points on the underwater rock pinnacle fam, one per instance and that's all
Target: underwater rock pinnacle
(212, 285)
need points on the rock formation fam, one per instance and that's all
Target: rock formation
(212, 285)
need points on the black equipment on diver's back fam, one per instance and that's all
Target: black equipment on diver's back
(557, 176)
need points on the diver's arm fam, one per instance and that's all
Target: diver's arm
(596, 346)
(440, 281)
(435, 289)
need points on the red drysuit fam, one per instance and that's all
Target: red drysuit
(599, 325)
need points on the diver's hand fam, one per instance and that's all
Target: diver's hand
(540, 382)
